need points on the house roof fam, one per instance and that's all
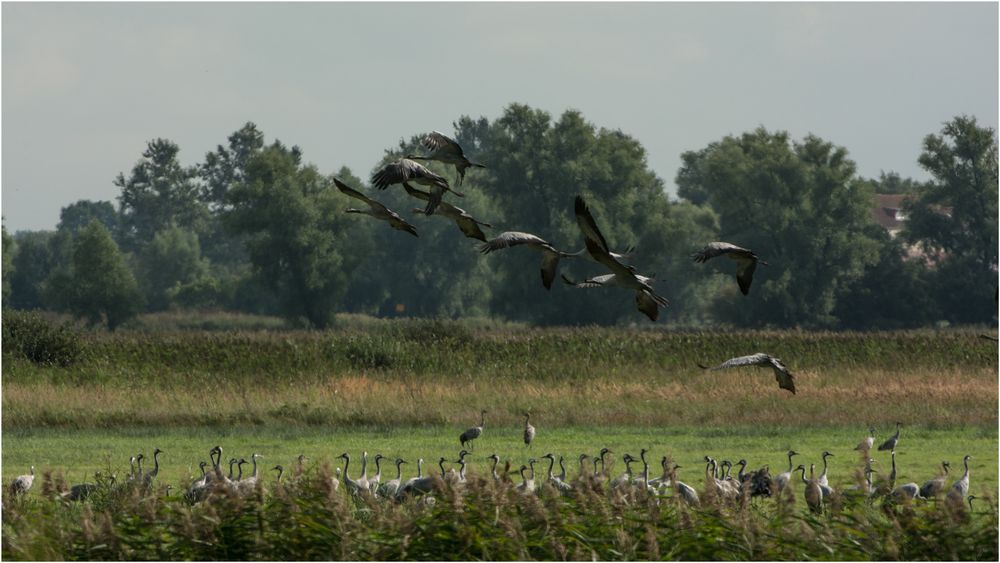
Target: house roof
(885, 210)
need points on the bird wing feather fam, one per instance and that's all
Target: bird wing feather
(589, 226)
(510, 239)
(645, 303)
(356, 194)
(438, 141)
(744, 273)
(469, 227)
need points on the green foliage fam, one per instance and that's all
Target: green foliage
(956, 215)
(799, 207)
(100, 287)
(305, 519)
(29, 335)
(158, 193)
(79, 214)
(9, 247)
(172, 262)
(297, 238)
(893, 183)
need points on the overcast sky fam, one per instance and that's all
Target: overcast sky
(86, 85)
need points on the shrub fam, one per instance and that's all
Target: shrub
(28, 334)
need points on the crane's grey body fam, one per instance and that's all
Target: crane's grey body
(471, 434)
(782, 479)
(746, 261)
(935, 486)
(626, 277)
(445, 149)
(405, 171)
(22, 483)
(529, 431)
(866, 444)
(466, 223)
(376, 209)
(550, 255)
(890, 444)
(784, 377)
(960, 489)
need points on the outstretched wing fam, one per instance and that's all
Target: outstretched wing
(714, 249)
(470, 227)
(645, 303)
(391, 173)
(596, 281)
(744, 274)
(784, 377)
(751, 360)
(414, 192)
(437, 141)
(512, 238)
(356, 194)
(589, 226)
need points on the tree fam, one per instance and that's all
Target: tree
(955, 216)
(100, 287)
(536, 168)
(158, 193)
(78, 215)
(799, 207)
(172, 258)
(296, 233)
(9, 247)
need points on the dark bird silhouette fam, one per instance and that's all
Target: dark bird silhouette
(647, 300)
(784, 377)
(468, 224)
(550, 254)
(890, 444)
(445, 149)
(404, 171)
(746, 261)
(376, 209)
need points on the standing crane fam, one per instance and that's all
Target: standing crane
(866, 444)
(376, 209)
(935, 486)
(472, 433)
(823, 481)
(445, 149)
(782, 479)
(890, 444)
(784, 377)
(960, 488)
(529, 430)
(22, 483)
(746, 261)
(404, 171)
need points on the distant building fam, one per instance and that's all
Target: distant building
(887, 211)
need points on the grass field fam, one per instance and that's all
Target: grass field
(408, 388)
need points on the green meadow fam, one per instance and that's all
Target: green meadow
(408, 389)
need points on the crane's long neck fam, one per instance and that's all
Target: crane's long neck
(156, 463)
(239, 466)
(254, 459)
(496, 460)
(824, 467)
(524, 479)
(378, 468)
(965, 477)
(790, 469)
(482, 419)
(666, 469)
(441, 465)
(552, 463)
(399, 470)
(804, 480)
(347, 463)
(596, 459)
(741, 474)
(420, 468)
(562, 469)
(231, 463)
(364, 465)
(281, 472)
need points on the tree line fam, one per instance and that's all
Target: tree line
(254, 227)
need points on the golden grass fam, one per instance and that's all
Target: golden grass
(845, 396)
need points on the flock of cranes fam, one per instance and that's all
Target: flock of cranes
(720, 485)
(407, 171)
